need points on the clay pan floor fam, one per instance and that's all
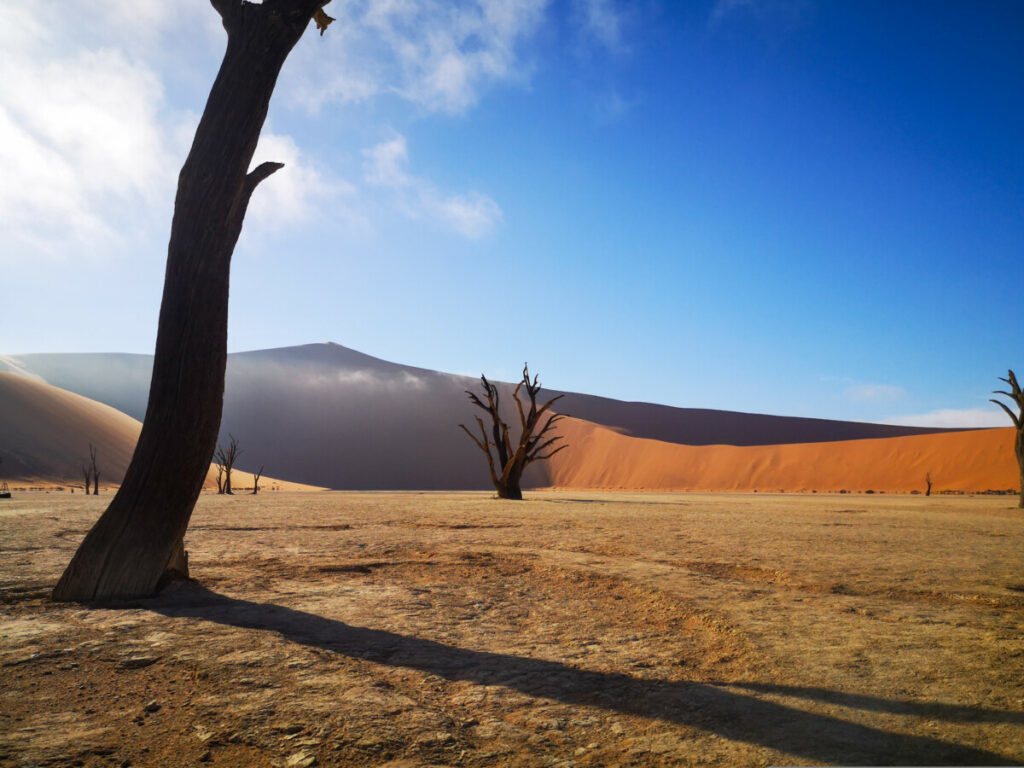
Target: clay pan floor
(571, 629)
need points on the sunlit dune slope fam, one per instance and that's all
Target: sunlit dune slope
(970, 461)
(45, 434)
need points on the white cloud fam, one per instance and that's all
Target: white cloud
(952, 418)
(602, 22)
(438, 54)
(89, 145)
(875, 392)
(82, 148)
(293, 194)
(472, 214)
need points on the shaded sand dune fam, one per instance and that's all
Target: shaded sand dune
(290, 375)
(329, 416)
(971, 461)
(45, 434)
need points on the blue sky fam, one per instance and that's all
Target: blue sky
(779, 206)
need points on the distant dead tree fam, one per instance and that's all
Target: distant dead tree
(87, 473)
(95, 472)
(1017, 396)
(226, 459)
(220, 477)
(256, 480)
(507, 463)
(928, 482)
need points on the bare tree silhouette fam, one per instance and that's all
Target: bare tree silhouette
(95, 472)
(507, 463)
(1017, 396)
(226, 460)
(134, 542)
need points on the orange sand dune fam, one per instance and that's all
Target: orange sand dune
(972, 461)
(45, 434)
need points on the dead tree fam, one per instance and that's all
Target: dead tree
(220, 477)
(140, 535)
(256, 480)
(1017, 396)
(87, 473)
(928, 482)
(226, 460)
(508, 462)
(95, 472)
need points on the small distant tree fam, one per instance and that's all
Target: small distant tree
(256, 480)
(226, 459)
(95, 472)
(220, 477)
(507, 462)
(928, 482)
(1017, 396)
(87, 473)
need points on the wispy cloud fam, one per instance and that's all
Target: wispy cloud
(602, 22)
(471, 214)
(296, 192)
(438, 54)
(80, 137)
(88, 142)
(949, 417)
(874, 392)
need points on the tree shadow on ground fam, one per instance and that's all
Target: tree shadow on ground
(931, 710)
(710, 708)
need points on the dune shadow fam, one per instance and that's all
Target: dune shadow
(932, 710)
(731, 715)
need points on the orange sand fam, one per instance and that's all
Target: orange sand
(973, 461)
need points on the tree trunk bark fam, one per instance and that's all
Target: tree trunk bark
(510, 487)
(1018, 448)
(129, 548)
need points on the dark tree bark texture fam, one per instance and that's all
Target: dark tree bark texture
(509, 461)
(1017, 396)
(133, 543)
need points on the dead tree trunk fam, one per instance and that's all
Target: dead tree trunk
(508, 463)
(220, 478)
(95, 472)
(1017, 396)
(256, 480)
(928, 482)
(226, 460)
(87, 472)
(131, 545)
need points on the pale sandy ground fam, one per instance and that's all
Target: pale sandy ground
(572, 629)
